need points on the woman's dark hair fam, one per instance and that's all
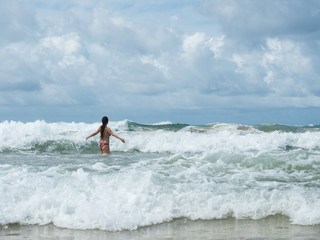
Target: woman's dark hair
(105, 121)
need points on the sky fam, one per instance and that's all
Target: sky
(148, 61)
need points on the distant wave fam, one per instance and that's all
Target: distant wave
(64, 138)
(286, 128)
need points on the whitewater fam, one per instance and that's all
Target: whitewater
(49, 173)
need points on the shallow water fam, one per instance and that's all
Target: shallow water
(271, 228)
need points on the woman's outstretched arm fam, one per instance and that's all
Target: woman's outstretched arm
(111, 133)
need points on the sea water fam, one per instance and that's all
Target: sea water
(49, 173)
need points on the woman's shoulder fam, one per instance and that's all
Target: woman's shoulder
(108, 129)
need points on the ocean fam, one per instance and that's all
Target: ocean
(50, 174)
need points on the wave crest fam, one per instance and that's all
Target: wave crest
(60, 137)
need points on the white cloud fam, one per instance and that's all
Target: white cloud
(154, 62)
(215, 44)
(194, 42)
(67, 44)
(287, 70)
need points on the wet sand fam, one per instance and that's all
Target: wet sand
(275, 227)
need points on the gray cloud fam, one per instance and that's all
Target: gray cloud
(17, 22)
(104, 55)
(259, 19)
(274, 43)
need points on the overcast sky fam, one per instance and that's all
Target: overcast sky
(187, 61)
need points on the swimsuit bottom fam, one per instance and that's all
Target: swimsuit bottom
(102, 144)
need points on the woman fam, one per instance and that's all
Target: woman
(105, 133)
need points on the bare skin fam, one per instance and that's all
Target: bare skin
(104, 142)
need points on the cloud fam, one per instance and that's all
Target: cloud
(150, 56)
(272, 43)
(17, 21)
(287, 70)
(259, 19)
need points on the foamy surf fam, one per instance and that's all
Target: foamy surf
(165, 171)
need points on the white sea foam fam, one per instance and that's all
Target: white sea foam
(197, 172)
(162, 123)
(142, 195)
(217, 137)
